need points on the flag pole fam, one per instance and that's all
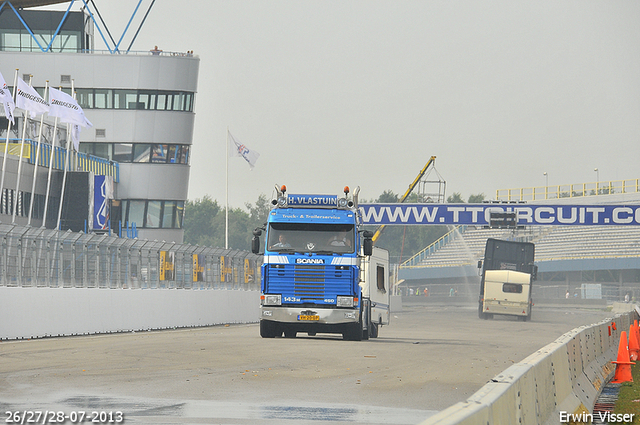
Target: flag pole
(51, 158)
(24, 130)
(6, 144)
(64, 176)
(226, 199)
(67, 164)
(35, 165)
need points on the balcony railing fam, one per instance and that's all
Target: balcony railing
(79, 161)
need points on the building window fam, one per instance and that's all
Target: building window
(103, 99)
(168, 211)
(141, 153)
(136, 213)
(85, 98)
(152, 214)
(138, 152)
(179, 215)
(154, 208)
(148, 100)
(122, 152)
(159, 155)
(101, 150)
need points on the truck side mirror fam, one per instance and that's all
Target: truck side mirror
(367, 246)
(255, 244)
(479, 264)
(534, 272)
(255, 241)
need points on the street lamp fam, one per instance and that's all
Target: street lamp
(546, 187)
(597, 181)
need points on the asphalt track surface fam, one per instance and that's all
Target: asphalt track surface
(430, 357)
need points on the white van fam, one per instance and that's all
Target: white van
(507, 292)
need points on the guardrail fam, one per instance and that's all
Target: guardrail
(151, 52)
(569, 190)
(79, 161)
(564, 377)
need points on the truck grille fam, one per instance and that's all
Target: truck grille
(311, 283)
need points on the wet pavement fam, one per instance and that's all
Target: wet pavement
(95, 409)
(429, 358)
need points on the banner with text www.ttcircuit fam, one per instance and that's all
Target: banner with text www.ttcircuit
(480, 214)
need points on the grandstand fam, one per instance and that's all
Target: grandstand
(568, 257)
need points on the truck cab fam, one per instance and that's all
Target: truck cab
(314, 274)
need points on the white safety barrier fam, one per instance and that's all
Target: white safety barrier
(564, 377)
(41, 312)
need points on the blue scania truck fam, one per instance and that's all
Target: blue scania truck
(321, 273)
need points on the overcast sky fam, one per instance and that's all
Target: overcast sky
(362, 93)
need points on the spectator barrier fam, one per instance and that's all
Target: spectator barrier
(64, 283)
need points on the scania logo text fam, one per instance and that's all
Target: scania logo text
(309, 261)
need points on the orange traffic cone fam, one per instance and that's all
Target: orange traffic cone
(623, 364)
(634, 348)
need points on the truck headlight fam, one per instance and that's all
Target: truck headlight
(344, 301)
(272, 300)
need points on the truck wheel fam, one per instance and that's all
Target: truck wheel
(290, 334)
(269, 329)
(352, 332)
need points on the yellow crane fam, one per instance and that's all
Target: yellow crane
(430, 162)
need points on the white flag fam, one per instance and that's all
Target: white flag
(75, 136)
(27, 98)
(7, 100)
(238, 149)
(66, 108)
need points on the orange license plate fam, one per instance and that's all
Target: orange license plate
(308, 318)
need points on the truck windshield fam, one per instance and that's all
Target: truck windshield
(311, 237)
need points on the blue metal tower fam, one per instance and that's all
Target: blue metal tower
(90, 7)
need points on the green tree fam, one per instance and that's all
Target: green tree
(198, 221)
(456, 198)
(259, 212)
(387, 197)
(205, 223)
(239, 229)
(476, 199)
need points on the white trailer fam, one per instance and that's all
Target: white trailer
(507, 292)
(376, 291)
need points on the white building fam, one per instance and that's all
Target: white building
(141, 105)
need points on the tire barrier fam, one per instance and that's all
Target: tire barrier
(563, 378)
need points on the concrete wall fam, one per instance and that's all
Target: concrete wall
(41, 312)
(564, 376)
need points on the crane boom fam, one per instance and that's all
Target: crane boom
(431, 161)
